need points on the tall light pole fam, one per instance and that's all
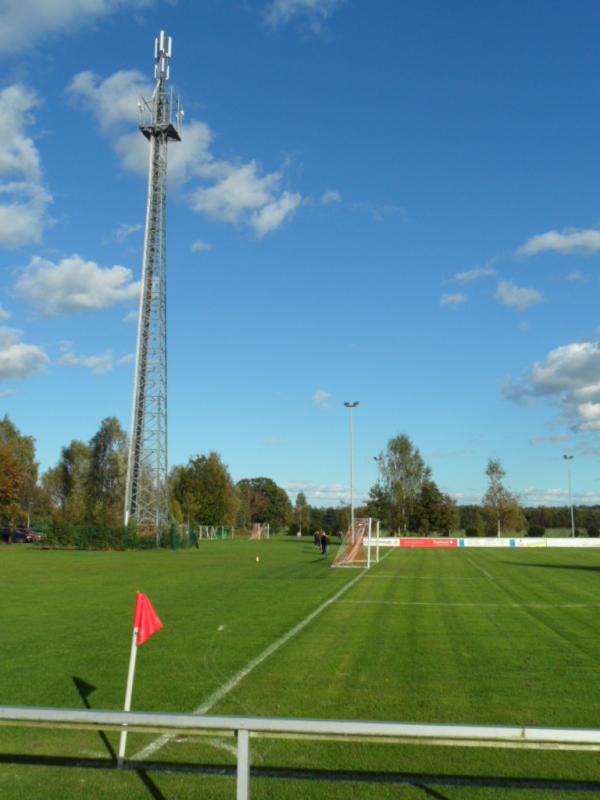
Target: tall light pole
(350, 406)
(568, 459)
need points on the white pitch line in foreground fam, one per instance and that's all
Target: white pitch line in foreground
(424, 577)
(481, 569)
(468, 605)
(220, 693)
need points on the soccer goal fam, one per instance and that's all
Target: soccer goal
(360, 546)
(260, 531)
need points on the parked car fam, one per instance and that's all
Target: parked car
(17, 535)
(30, 536)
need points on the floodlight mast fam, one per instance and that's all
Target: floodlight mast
(146, 497)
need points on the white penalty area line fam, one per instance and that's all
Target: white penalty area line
(481, 569)
(220, 693)
(468, 605)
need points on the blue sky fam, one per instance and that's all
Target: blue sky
(394, 202)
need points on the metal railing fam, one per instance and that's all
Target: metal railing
(243, 728)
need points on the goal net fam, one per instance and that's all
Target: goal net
(360, 546)
(260, 531)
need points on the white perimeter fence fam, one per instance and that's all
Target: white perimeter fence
(243, 728)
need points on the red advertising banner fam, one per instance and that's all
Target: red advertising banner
(428, 542)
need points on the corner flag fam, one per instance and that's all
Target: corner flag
(145, 618)
(145, 623)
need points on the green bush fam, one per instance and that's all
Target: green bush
(536, 530)
(593, 532)
(471, 531)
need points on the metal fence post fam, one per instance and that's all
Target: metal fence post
(243, 765)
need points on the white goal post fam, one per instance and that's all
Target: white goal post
(260, 531)
(360, 545)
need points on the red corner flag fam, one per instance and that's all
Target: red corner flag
(145, 619)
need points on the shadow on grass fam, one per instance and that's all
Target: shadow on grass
(84, 690)
(585, 567)
(422, 781)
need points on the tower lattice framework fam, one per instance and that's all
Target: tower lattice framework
(147, 499)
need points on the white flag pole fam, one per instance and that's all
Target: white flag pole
(128, 693)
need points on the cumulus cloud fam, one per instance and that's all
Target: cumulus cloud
(270, 217)
(313, 12)
(99, 364)
(17, 359)
(474, 274)
(4, 314)
(569, 377)
(518, 297)
(231, 191)
(330, 197)
(200, 247)
(74, 285)
(26, 22)
(567, 241)
(24, 200)
(321, 399)
(455, 299)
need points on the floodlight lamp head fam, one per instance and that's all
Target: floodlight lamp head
(353, 404)
(567, 458)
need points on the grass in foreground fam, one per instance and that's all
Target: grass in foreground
(474, 637)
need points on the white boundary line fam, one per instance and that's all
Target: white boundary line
(425, 577)
(220, 693)
(468, 605)
(481, 569)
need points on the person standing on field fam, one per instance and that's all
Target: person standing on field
(317, 540)
(324, 543)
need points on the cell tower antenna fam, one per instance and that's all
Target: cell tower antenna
(147, 497)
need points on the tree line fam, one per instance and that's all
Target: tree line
(87, 487)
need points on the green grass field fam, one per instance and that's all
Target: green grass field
(471, 636)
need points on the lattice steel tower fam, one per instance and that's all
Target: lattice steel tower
(147, 499)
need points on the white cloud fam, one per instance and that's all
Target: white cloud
(576, 276)
(124, 231)
(321, 399)
(331, 196)
(238, 190)
(539, 496)
(98, 365)
(570, 377)
(271, 216)
(24, 200)
(517, 297)
(322, 493)
(17, 359)
(567, 241)
(223, 190)
(455, 299)
(4, 314)
(314, 12)
(7, 393)
(201, 247)
(474, 274)
(27, 21)
(131, 316)
(74, 285)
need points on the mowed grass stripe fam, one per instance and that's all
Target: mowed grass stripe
(235, 680)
